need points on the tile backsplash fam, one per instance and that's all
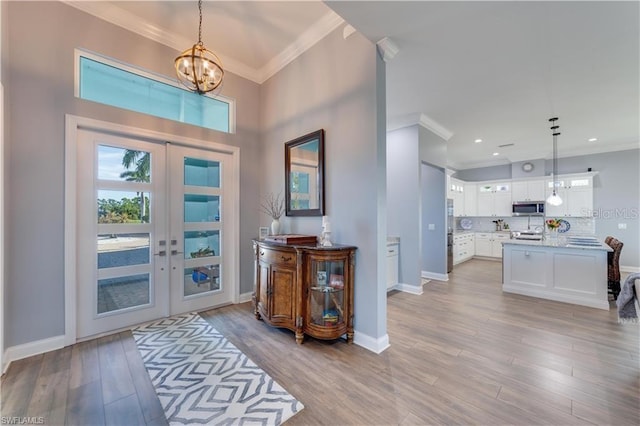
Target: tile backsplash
(578, 225)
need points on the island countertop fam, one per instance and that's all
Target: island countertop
(561, 242)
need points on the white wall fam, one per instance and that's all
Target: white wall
(40, 94)
(337, 85)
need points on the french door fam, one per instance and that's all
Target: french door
(153, 231)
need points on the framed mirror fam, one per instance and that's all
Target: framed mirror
(304, 175)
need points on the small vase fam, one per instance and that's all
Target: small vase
(553, 235)
(275, 226)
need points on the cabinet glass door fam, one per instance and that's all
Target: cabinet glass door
(326, 297)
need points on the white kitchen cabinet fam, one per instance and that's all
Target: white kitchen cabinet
(494, 199)
(470, 199)
(392, 265)
(528, 190)
(483, 244)
(577, 197)
(463, 247)
(456, 193)
(489, 244)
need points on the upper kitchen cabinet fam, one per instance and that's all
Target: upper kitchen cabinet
(577, 196)
(470, 199)
(456, 193)
(528, 190)
(494, 199)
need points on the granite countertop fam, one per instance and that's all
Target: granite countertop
(561, 242)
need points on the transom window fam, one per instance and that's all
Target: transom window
(114, 83)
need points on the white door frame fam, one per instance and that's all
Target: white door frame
(72, 124)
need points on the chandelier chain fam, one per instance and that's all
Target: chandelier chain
(200, 24)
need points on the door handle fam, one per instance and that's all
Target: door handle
(161, 253)
(174, 252)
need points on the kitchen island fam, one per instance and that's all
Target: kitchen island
(560, 270)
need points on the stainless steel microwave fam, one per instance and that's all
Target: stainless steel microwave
(527, 208)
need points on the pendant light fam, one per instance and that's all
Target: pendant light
(199, 69)
(554, 199)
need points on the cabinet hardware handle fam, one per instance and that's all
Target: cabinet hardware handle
(174, 252)
(162, 253)
(285, 259)
(261, 252)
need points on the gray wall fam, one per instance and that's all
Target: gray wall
(403, 183)
(485, 173)
(433, 149)
(434, 242)
(337, 85)
(41, 39)
(416, 158)
(616, 193)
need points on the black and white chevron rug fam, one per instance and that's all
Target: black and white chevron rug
(201, 378)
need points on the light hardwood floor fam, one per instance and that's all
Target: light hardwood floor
(461, 353)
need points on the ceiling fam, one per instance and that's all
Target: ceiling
(494, 71)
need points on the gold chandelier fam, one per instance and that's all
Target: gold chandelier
(199, 69)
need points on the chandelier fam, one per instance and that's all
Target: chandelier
(554, 199)
(199, 69)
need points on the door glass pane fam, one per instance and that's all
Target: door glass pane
(201, 208)
(201, 244)
(199, 172)
(116, 250)
(123, 207)
(201, 279)
(121, 164)
(123, 292)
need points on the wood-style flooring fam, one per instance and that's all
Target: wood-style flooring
(461, 353)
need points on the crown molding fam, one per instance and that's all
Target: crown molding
(422, 120)
(329, 22)
(127, 20)
(387, 49)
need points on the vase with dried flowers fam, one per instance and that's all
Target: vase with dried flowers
(273, 205)
(553, 225)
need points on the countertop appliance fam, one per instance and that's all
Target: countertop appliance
(527, 208)
(526, 235)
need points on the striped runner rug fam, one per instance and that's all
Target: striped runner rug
(201, 378)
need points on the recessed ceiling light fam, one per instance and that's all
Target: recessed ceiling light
(478, 140)
(496, 153)
(592, 139)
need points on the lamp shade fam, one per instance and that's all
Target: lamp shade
(554, 199)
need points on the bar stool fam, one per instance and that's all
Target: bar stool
(613, 266)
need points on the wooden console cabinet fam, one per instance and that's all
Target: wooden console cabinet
(306, 289)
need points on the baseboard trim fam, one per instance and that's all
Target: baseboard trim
(376, 346)
(245, 297)
(435, 276)
(408, 288)
(37, 347)
(631, 269)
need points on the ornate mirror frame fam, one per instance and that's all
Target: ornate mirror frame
(304, 175)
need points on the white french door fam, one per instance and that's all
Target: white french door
(152, 231)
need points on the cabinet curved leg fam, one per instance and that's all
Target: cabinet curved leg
(299, 337)
(349, 337)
